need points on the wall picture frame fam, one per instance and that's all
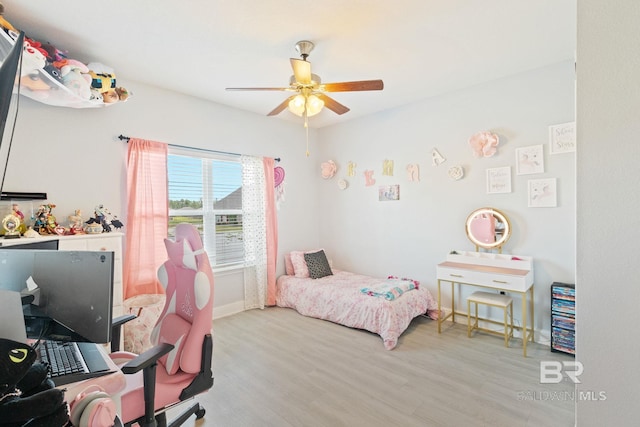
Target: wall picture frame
(388, 193)
(529, 160)
(562, 138)
(499, 180)
(542, 193)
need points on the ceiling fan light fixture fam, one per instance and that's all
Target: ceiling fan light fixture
(296, 105)
(312, 103)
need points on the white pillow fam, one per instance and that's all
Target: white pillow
(299, 264)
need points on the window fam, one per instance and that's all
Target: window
(206, 190)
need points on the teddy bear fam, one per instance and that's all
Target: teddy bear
(27, 397)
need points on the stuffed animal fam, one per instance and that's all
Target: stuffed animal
(75, 78)
(103, 85)
(27, 397)
(102, 81)
(3, 22)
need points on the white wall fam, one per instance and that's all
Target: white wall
(608, 214)
(75, 157)
(409, 237)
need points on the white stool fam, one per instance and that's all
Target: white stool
(495, 300)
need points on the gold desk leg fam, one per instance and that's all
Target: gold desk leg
(439, 309)
(532, 302)
(453, 305)
(525, 336)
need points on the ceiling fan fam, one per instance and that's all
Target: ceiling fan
(311, 95)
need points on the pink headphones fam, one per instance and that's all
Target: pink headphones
(92, 407)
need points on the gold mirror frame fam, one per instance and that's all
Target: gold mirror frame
(488, 228)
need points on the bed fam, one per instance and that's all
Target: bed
(339, 297)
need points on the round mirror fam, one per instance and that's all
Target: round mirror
(488, 228)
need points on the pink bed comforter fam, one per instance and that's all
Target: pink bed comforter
(338, 298)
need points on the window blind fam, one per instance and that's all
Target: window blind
(205, 189)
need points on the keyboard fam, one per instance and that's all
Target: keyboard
(72, 361)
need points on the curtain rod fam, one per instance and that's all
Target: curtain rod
(127, 138)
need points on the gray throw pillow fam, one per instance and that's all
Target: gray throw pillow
(318, 265)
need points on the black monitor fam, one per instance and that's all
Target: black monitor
(38, 244)
(75, 299)
(11, 44)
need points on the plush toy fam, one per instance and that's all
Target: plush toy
(115, 95)
(53, 53)
(3, 22)
(102, 81)
(75, 78)
(36, 45)
(32, 58)
(27, 397)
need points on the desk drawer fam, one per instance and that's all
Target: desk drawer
(507, 282)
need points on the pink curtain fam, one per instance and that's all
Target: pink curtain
(272, 229)
(147, 216)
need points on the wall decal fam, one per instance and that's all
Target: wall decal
(562, 138)
(388, 192)
(529, 160)
(368, 178)
(456, 172)
(436, 157)
(413, 172)
(351, 169)
(343, 184)
(328, 169)
(484, 144)
(278, 178)
(387, 168)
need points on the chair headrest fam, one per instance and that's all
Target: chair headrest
(187, 249)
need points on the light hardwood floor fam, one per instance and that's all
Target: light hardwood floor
(274, 367)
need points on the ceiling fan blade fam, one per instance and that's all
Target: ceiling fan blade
(301, 71)
(332, 104)
(280, 108)
(354, 86)
(256, 88)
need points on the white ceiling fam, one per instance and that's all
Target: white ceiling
(420, 48)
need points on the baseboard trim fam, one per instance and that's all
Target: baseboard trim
(228, 309)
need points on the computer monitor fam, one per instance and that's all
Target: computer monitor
(39, 244)
(75, 300)
(11, 44)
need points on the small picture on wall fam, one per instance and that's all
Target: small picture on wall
(562, 138)
(388, 192)
(529, 160)
(499, 180)
(542, 193)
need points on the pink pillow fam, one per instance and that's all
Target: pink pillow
(288, 266)
(173, 330)
(299, 264)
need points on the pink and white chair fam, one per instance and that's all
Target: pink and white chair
(178, 366)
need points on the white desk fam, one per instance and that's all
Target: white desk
(508, 273)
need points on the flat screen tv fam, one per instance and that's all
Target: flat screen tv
(11, 44)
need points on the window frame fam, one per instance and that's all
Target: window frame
(207, 213)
